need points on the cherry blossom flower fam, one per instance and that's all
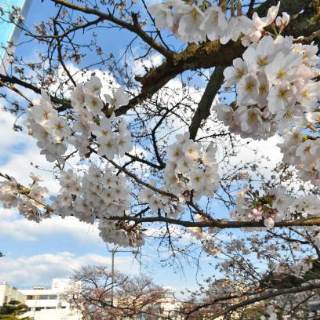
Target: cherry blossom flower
(236, 27)
(248, 90)
(192, 24)
(163, 14)
(93, 103)
(258, 24)
(214, 23)
(119, 98)
(280, 98)
(233, 74)
(93, 86)
(189, 25)
(283, 20)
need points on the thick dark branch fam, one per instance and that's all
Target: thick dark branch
(12, 80)
(203, 110)
(15, 80)
(222, 223)
(207, 55)
(315, 36)
(251, 8)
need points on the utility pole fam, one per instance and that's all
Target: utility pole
(113, 253)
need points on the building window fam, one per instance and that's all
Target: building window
(48, 297)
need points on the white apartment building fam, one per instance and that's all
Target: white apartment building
(43, 303)
(50, 303)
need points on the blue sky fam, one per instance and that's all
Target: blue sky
(35, 253)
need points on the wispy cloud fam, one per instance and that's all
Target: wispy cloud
(24, 272)
(13, 226)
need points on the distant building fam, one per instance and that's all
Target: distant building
(50, 303)
(8, 293)
(169, 307)
(43, 303)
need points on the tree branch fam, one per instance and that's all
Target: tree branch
(222, 223)
(265, 296)
(135, 27)
(203, 110)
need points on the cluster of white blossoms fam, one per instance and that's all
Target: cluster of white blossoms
(275, 88)
(121, 234)
(303, 152)
(50, 130)
(95, 117)
(95, 196)
(191, 172)
(273, 206)
(157, 202)
(29, 201)
(90, 123)
(193, 23)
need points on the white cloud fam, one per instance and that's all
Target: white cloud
(265, 154)
(15, 227)
(9, 137)
(262, 148)
(24, 272)
(139, 67)
(19, 164)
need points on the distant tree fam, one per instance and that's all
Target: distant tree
(14, 310)
(102, 297)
